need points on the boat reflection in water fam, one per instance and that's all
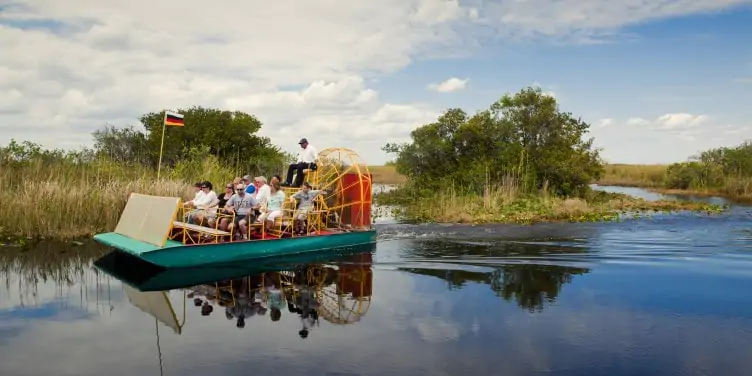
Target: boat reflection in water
(335, 286)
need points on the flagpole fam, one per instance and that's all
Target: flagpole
(161, 145)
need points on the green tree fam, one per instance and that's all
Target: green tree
(726, 168)
(230, 136)
(525, 135)
(122, 145)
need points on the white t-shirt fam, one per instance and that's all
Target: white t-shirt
(307, 155)
(207, 200)
(263, 193)
(198, 196)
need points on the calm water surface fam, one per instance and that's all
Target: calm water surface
(666, 295)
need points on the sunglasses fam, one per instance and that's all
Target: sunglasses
(239, 189)
(229, 187)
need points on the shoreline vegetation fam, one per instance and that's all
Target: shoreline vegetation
(520, 161)
(648, 177)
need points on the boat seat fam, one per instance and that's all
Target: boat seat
(311, 176)
(206, 234)
(282, 224)
(197, 228)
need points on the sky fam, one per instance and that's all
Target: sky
(658, 81)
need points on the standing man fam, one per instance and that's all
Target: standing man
(306, 159)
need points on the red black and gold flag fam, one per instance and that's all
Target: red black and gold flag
(173, 119)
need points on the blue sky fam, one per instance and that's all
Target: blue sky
(666, 79)
(696, 64)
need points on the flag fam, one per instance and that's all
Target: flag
(173, 119)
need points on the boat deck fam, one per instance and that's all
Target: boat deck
(131, 245)
(258, 236)
(138, 247)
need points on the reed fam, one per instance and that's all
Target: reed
(628, 175)
(386, 174)
(735, 188)
(65, 200)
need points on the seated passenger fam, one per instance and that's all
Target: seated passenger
(242, 204)
(206, 203)
(273, 208)
(221, 202)
(197, 194)
(225, 196)
(262, 189)
(305, 199)
(249, 187)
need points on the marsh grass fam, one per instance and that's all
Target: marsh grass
(65, 201)
(736, 189)
(626, 175)
(386, 174)
(507, 203)
(654, 178)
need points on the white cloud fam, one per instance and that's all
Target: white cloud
(294, 65)
(449, 85)
(680, 121)
(671, 137)
(586, 21)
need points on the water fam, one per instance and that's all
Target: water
(666, 295)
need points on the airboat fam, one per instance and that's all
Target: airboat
(149, 228)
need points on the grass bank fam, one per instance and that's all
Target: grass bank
(693, 179)
(386, 175)
(740, 191)
(65, 201)
(508, 205)
(688, 178)
(626, 175)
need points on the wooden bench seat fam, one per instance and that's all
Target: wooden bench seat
(197, 228)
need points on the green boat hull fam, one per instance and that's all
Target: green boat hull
(177, 255)
(146, 277)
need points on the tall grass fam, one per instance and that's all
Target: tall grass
(386, 175)
(67, 200)
(627, 175)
